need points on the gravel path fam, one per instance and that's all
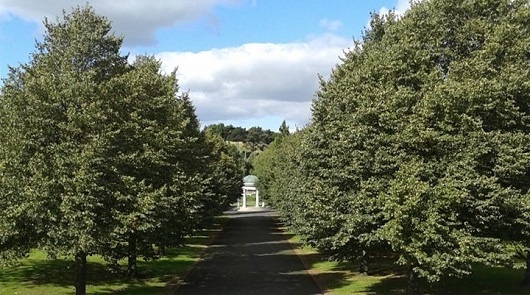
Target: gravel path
(250, 256)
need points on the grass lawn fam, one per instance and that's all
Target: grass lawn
(36, 275)
(340, 278)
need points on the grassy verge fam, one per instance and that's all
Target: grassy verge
(37, 275)
(339, 278)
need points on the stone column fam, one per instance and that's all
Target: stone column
(257, 198)
(244, 198)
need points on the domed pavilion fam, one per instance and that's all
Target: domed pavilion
(250, 183)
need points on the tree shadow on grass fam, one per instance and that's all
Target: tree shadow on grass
(57, 272)
(391, 285)
(329, 281)
(156, 276)
(134, 289)
(384, 277)
(484, 281)
(60, 273)
(343, 277)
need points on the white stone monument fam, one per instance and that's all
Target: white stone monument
(250, 187)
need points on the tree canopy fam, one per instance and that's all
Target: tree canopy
(418, 147)
(99, 155)
(254, 134)
(419, 141)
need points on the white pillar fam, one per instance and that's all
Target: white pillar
(257, 198)
(244, 198)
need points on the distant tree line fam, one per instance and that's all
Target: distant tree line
(419, 145)
(248, 143)
(99, 156)
(239, 134)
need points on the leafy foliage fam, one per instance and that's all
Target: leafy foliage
(224, 170)
(419, 142)
(99, 156)
(239, 134)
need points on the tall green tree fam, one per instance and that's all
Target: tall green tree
(344, 160)
(57, 107)
(426, 126)
(280, 180)
(284, 129)
(148, 127)
(224, 170)
(100, 156)
(20, 220)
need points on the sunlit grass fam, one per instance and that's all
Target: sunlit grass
(340, 278)
(38, 275)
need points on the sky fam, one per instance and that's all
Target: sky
(244, 62)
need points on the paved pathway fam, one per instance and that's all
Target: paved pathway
(250, 256)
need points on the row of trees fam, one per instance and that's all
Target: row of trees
(100, 156)
(419, 144)
(246, 144)
(253, 135)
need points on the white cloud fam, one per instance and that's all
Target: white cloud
(256, 80)
(330, 25)
(138, 20)
(245, 83)
(400, 8)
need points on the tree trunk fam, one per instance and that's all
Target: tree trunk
(162, 249)
(80, 273)
(363, 263)
(526, 281)
(132, 270)
(413, 283)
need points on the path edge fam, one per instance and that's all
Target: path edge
(173, 285)
(302, 260)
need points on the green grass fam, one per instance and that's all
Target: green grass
(251, 201)
(37, 275)
(385, 278)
